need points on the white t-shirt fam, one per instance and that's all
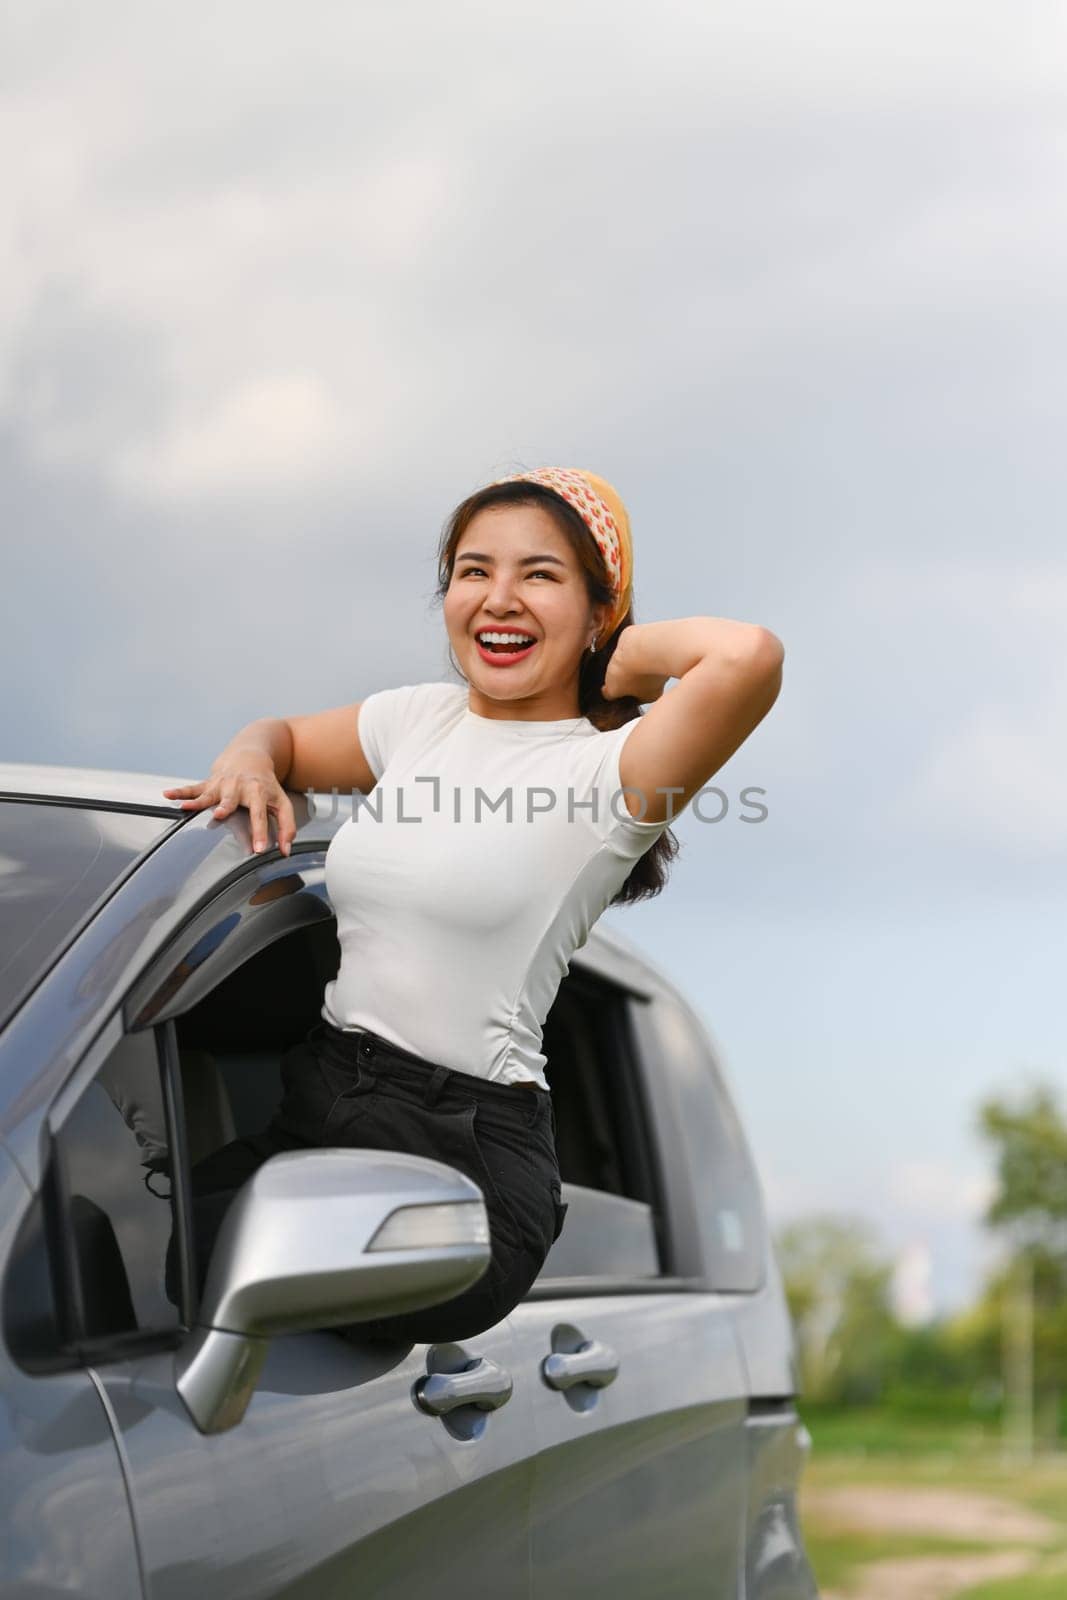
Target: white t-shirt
(456, 923)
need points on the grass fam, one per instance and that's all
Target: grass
(1030, 1586)
(877, 1448)
(869, 1431)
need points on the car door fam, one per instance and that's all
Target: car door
(335, 1481)
(64, 1515)
(638, 1424)
(636, 1380)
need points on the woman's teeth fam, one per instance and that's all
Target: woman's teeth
(505, 641)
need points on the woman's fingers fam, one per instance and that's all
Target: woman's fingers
(231, 795)
(286, 823)
(281, 808)
(257, 810)
(186, 789)
(261, 797)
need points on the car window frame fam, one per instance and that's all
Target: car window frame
(308, 903)
(689, 1226)
(619, 994)
(57, 1237)
(142, 1007)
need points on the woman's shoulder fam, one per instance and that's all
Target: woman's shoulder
(389, 716)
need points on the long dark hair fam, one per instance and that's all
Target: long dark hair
(650, 871)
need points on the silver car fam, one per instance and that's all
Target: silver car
(630, 1430)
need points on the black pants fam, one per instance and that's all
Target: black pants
(357, 1090)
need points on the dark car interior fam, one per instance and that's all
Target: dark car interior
(109, 1269)
(231, 1043)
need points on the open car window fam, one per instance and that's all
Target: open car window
(249, 997)
(610, 1182)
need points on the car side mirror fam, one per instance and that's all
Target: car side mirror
(320, 1238)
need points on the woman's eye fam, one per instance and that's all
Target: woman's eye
(467, 572)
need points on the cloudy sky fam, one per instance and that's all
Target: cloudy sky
(278, 291)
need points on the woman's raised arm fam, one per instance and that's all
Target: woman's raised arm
(730, 674)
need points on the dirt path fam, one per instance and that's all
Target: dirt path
(946, 1513)
(954, 1513)
(931, 1577)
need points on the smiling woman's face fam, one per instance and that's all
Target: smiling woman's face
(515, 572)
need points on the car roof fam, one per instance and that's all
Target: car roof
(36, 780)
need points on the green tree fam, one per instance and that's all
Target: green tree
(1030, 1139)
(837, 1284)
(1029, 1209)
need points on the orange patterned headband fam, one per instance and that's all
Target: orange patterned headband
(604, 514)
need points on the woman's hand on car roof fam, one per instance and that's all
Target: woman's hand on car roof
(248, 780)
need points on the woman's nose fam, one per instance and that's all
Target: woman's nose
(502, 596)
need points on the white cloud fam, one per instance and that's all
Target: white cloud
(384, 207)
(1002, 778)
(972, 649)
(935, 1192)
(917, 1191)
(997, 596)
(274, 433)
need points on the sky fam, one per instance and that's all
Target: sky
(277, 294)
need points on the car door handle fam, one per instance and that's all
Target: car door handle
(484, 1384)
(595, 1363)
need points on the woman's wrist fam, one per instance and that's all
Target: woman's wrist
(268, 740)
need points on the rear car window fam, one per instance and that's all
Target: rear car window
(57, 863)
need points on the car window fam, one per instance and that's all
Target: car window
(56, 863)
(726, 1185)
(231, 1041)
(90, 1269)
(234, 1022)
(614, 1222)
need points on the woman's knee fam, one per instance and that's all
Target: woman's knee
(505, 1282)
